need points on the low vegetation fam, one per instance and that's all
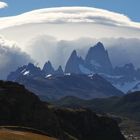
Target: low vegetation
(7, 134)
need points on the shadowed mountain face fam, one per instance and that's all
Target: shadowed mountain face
(30, 70)
(20, 107)
(82, 86)
(73, 64)
(97, 59)
(48, 68)
(59, 71)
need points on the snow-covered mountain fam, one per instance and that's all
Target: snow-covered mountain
(97, 61)
(31, 70)
(27, 70)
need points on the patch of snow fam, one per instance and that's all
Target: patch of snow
(26, 72)
(48, 76)
(67, 74)
(136, 88)
(23, 71)
(84, 70)
(128, 86)
(91, 76)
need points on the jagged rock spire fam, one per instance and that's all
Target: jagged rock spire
(72, 65)
(97, 59)
(48, 68)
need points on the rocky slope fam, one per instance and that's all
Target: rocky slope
(20, 107)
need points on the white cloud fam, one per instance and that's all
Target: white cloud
(3, 5)
(58, 52)
(44, 48)
(11, 57)
(70, 15)
(66, 24)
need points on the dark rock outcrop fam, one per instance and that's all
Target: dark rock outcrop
(81, 122)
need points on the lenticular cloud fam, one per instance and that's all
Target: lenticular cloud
(70, 15)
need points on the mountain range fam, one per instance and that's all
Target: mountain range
(97, 61)
(54, 87)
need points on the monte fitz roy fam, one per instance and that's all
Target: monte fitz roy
(69, 70)
(94, 74)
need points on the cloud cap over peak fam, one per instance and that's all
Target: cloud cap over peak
(70, 15)
(3, 5)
